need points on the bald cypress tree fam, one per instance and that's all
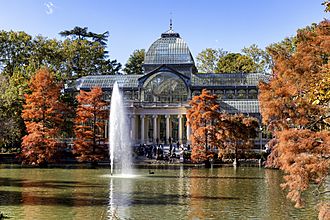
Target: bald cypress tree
(42, 118)
(295, 108)
(202, 118)
(89, 144)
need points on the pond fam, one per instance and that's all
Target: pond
(181, 193)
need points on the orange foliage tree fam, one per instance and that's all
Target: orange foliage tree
(89, 128)
(236, 133)
(295, 116)
(214, 129)
(202, 117)
(42, 117)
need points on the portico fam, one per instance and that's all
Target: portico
(159, 126)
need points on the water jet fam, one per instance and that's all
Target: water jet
(119, 140)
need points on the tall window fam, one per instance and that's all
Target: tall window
(165, 87)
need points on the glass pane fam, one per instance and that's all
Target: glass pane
(165, 87)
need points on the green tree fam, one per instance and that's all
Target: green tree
(135, 62)
(326, 4)
(260, 57)
(82, 58)
(86, 53)
(12, 100)
(236, 63)
(21, 56)
(320, 93)
(48, 53)
(15, 50)
(82, 33)
(9, 132)
(207, 60)
(76, 33)
(288, 46)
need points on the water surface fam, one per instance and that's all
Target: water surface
(219, 193)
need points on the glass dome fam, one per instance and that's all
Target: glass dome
(169, 49)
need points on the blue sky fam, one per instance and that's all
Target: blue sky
(227, 24)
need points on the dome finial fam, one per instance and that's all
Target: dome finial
(170, 23)
(170, 32)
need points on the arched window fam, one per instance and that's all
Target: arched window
(230, 94)
(165, 87)
(219, 93)
(253, 94)
(128, 95)
(241, 94)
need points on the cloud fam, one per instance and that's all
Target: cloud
(49, 8)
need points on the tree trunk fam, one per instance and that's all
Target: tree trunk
(207, 163)
(94, 164)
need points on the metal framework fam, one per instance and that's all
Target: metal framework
(158, 100)
(169, 49)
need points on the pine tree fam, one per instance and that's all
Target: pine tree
(135, 62)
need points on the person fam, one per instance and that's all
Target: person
(160, 152)
(145, 150)
(173, 151)
(181, 154)
(170, 153)
(150, 151)
(170, 140)
(157, 153)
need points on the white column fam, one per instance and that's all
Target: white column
(180, 129)
(154, 128)
(158, 126)
(146, 129)
(133, 131)
(188, 132)
(142, 128)
(167, 117)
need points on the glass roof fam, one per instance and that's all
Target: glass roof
(243, 106)
(107, 81)
(202, 79)
(227, 79)
(169, 49)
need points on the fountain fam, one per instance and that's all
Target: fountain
(119, 139)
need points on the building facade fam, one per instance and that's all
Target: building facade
(157, 101)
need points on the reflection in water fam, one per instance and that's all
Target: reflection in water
(119, 198)
(112, 211)
(196, 204)
(220, 193)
